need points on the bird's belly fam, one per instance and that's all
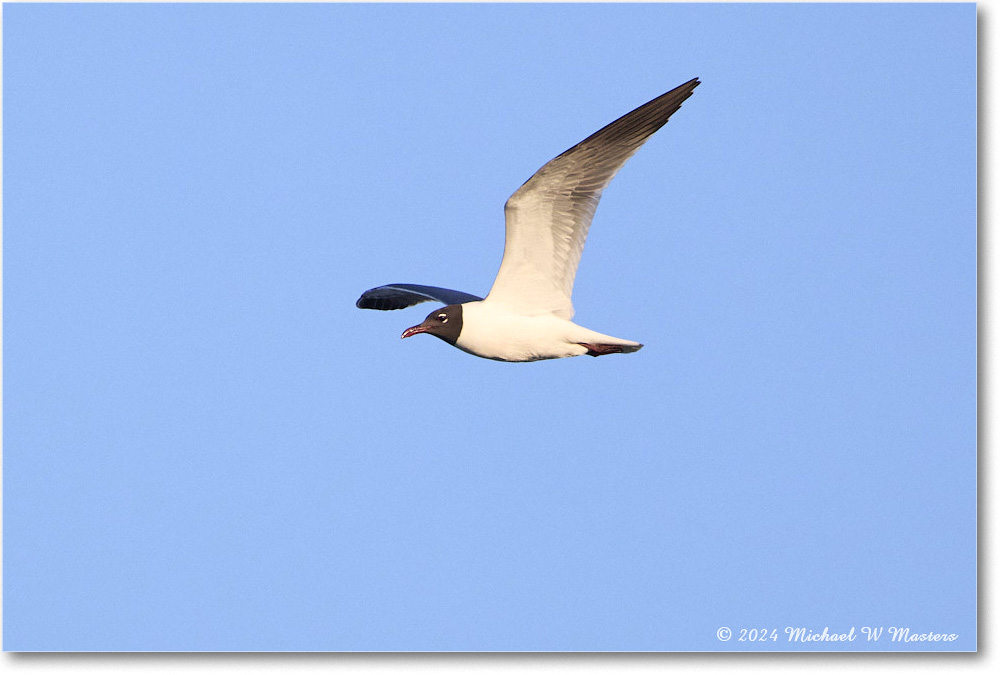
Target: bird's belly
(519, 338)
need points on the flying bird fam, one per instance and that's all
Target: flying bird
(527, 314)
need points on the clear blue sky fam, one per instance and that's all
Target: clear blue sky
(207, 447)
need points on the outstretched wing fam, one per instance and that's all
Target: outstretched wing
(548, 217)
(398, 296)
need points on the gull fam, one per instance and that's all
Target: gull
(527, 314)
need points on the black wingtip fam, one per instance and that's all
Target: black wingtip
(401, 296)
(372, 299)
(685, 88)
(684, 91)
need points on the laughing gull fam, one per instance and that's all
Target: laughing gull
(526, 316)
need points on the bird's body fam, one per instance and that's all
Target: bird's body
(493, 332)
(528, 313)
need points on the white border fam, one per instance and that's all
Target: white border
(856, 663)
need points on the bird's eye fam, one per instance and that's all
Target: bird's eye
(443, 318)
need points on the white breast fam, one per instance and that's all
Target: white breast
(493, 332)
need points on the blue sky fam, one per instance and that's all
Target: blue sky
(207, 447)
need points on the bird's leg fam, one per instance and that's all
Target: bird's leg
(601, 349)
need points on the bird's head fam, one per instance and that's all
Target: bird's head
(445, 323)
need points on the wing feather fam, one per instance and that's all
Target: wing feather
(549, 216)
(398, 296)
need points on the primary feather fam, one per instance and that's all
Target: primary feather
(549, 216)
